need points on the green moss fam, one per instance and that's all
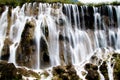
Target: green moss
(103, 3)
(21, 2)
(115, 3)
(117, 67)
(116, 57)
(9, 2)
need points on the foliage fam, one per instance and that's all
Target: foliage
(103, 3)
(9, 2)
(21, 2)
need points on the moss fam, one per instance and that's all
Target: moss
(64, 73)
(103, 4)
(117, 66)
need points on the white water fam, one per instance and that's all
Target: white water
(3, 23)
(79, 43)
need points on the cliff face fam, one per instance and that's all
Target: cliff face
(42, 35)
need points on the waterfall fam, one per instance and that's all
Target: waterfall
(45, 35)
(3, 22)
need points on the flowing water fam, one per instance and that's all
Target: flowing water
(71, 33)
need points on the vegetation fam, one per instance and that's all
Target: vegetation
(103, 3)
(21, 2)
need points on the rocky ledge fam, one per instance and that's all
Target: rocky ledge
(8, 71)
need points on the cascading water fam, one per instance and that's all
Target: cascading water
(62, 34)
(3, 22)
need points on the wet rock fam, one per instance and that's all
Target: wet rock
(92, 72)
(5, 50)
(44, 28)
(92, 75)
(45, 73)
(28, 73)
(61, 22)
(64, 73)
(61, 37)
(44, 54)
(104, 71)
(8, 71)
(27, 48)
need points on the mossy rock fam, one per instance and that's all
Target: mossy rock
(28, 73)
(64, 73)
(116, 70)
(8, 71)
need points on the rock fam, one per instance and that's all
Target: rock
(64, 73)
(104, 71)
(44, 28)
(45, 73)
(61, 22)
(8, 71)
(27, 48)
(28, 73)
(5, 50)
(116, 70)
(44, 54)
(92, 72)
(92, 75)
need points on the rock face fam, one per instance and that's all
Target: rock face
(104, 71)
(26, 50)
(44, 56)
(5, 51)
(64, 73)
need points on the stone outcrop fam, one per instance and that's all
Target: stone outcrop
(92, 73)
(27, 48)
(64, 73)
(44, 56)
(5, 50)
(8, 71)
(104, 71)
